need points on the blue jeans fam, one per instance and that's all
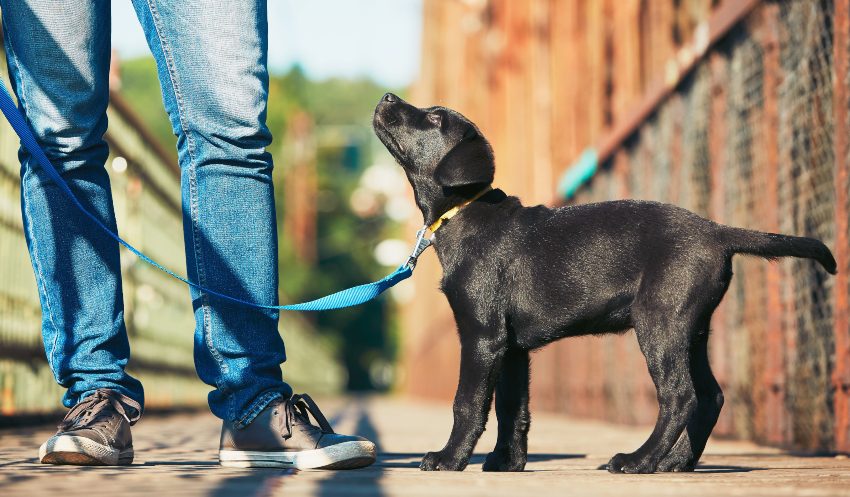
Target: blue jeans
(211, 59)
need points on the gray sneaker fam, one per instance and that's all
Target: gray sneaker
(282, 436)
(95, 432)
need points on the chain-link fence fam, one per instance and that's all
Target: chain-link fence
(747, 139)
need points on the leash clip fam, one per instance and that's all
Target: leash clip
(422, 243)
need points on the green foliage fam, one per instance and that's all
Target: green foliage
(139, 83)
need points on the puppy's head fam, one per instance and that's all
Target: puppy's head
(443, 153)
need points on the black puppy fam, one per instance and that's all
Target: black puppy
(520, 277)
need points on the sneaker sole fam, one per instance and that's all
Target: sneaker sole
(345, 455)
(81, 451)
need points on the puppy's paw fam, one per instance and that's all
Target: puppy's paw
(676, 463)
(630, 463)
(438, 461)
(680, 458)
(504, 460)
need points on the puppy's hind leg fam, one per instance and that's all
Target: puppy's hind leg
(665, 345)
(511, 451)
(687, 451)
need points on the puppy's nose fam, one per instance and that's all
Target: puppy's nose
(389, 97)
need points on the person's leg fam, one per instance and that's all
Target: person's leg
(211, 58)
(58, 58)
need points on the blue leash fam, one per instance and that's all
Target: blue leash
(344, 298)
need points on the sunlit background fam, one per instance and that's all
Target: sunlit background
(374, 39)
(734, 109)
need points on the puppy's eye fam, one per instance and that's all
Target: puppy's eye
(435, 119)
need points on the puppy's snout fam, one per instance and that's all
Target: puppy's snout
(388, 111)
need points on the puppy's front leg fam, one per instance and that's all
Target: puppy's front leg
(480, 361)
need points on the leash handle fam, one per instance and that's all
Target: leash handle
(344, 298)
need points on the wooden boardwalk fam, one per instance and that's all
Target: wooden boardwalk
(176, 455)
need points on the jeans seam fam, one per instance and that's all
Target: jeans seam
(36, 264)
(38, 270)
(256, 407)
(193, 194)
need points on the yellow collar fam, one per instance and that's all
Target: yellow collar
(454, 210)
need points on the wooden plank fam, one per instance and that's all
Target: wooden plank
(841, 311)
(773, 422)
(677, 115)
(722, 20)
(625, 67)
(718, 345)
(540, 82)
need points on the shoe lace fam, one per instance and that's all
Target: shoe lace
(299, 407)
(92, 407)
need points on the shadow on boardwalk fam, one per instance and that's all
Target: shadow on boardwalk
(176, 455)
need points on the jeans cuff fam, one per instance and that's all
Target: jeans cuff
(70, 402)
(257, 407)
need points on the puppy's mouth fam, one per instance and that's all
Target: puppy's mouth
(387, 138)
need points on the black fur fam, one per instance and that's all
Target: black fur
(520, 277)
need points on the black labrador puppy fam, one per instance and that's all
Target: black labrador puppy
(520, 277)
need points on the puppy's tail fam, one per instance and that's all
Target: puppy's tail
(773, 245)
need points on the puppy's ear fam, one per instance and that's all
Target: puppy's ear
(469, 162)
